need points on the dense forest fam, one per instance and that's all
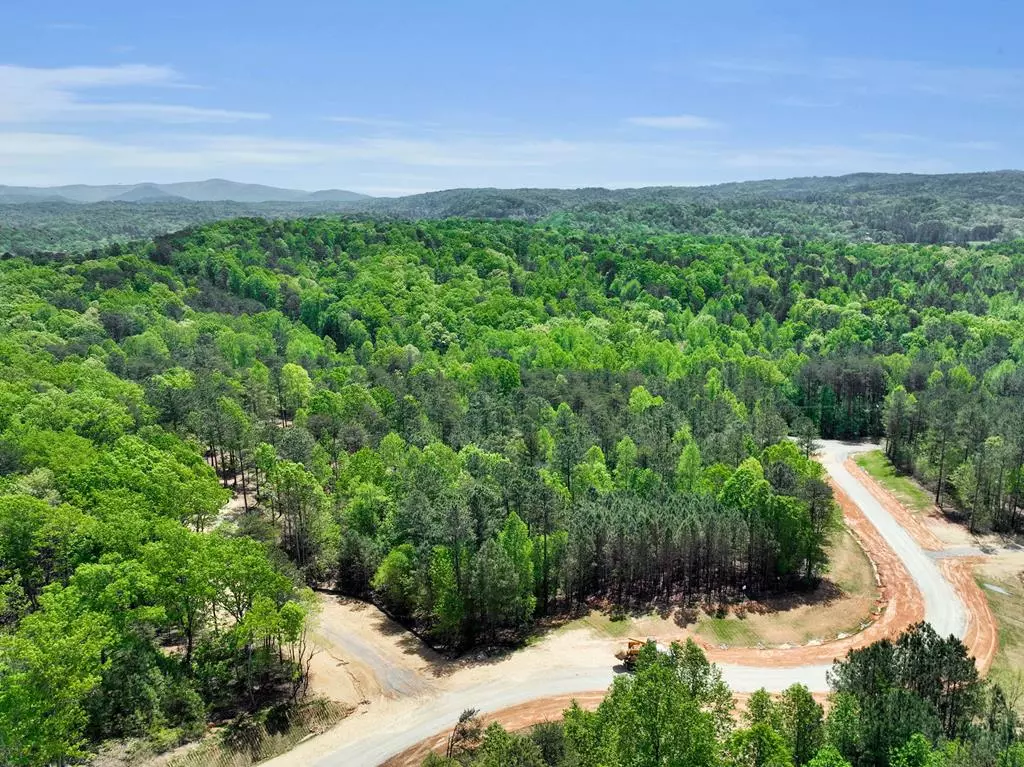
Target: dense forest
(914, 702)
(864, 207)
(472, 423)
(68, 227)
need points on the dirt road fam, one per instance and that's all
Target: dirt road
(416, 698)
(943, 607)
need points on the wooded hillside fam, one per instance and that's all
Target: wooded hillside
(474, 424)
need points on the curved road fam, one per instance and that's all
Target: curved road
(400, 724)
(943, 607)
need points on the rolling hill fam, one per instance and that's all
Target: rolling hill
(211, 190)
(863, 207)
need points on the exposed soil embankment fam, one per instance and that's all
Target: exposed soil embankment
(900, 605)
(409, 718)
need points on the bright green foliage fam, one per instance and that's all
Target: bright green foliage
(757, 746)
(515, 541)
(296, 387)
(688, 468)
(477, 423)
(828, 756)
(648, 719)
(802, 723)
(1012, 757)
(47, 670)
(117, 618)
(396, 581)
(449, 611)
(917, 752)
(641, 400)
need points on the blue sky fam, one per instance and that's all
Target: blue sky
(390, 97)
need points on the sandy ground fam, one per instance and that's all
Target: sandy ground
(235, 507)
(363, 656)
(406, 695)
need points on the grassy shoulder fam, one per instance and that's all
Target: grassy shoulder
(1005, 594)
(842, 604)
(906, 490)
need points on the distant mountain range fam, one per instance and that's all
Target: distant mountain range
(212, 190)
(863, 207)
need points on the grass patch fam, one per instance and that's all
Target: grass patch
(731, 631)
(839, 606)
(1009, 611)
(909, 493)
(850, 567)
(603, 624)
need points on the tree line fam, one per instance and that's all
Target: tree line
(913, 702)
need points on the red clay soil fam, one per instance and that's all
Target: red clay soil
(912, 524)
(534, 712)
(513, 718)
(982, 638)
(900, 605)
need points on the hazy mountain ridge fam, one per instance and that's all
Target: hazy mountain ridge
(1000, 187)
(210, 190)
(949, 208)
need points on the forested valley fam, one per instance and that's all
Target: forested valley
(473, 424)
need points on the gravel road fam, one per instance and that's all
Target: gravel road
(378, 732)
(943, 607)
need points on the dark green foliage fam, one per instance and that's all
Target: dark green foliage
(919, 684)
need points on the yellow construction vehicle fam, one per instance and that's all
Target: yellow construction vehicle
(629, 655)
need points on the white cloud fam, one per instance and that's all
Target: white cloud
(674, 122)
(868, 76)
(167, 113)
(829, 160)
(892, 137)
(392, 165)
(369, 122)
(56, 95)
